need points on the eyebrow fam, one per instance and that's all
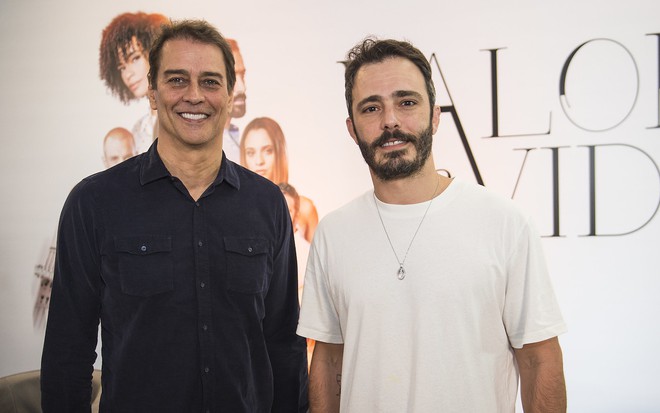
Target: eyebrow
(395, 94)
(186, 73)
(407, 93)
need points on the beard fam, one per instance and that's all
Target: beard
(394, 165)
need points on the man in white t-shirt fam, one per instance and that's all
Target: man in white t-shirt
(426, 294)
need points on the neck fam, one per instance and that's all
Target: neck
(421, 187)
(196, 168)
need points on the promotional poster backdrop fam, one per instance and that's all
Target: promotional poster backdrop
(554, 105)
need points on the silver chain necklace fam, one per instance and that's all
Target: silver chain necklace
(401, 273)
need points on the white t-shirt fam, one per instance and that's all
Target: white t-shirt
(441, 339)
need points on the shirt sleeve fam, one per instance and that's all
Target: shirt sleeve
(287, 351)
(531, 312)
(319, 319)
(72, 328)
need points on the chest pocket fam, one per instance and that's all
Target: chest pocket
(146, 266)
(248, 264)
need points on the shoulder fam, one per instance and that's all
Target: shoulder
(347, 215)
(480, 213)
(485, 203)
(306, 204)
(252, 185)
(109, 184)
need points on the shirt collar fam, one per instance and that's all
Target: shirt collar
(152, 169)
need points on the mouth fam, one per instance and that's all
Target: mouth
(193, 116)
(392, 140)
(393, 143)
(239, 99)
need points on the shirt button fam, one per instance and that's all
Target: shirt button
(205, 327)
(249, 249)
(206, 369)
(202, 284)
(196, 203)
(143, 248)
(200, 243)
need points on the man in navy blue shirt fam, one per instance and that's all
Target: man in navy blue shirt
(186, 258)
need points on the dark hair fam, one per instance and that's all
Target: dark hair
(288, 189)
(198, 31)
(372, 50)
(117, 38)
(276, 135)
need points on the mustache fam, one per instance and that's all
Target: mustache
(389, 135)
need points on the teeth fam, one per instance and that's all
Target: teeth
(392, 143)
(194, 116)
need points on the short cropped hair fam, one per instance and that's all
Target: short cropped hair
(372, 50)
(118, 36)
(197, 31)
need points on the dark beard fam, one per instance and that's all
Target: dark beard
(394, 166)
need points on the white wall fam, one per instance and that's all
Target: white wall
(55, 111)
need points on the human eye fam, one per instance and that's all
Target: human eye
(249, 153)
(268, 150)
(136, 57)
(176, 81)
(408, 102)
(211, 83)
(369, 109)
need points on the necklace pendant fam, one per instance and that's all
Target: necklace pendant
(401, 274)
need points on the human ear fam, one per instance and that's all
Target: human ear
(351, 129)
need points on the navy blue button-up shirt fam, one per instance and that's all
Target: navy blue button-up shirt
(197, 299)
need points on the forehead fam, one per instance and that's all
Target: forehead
(257, 137)
(290, 200)
(134, 45)
(118, 142)
(192, 56)
(386, 77)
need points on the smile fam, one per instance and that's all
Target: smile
(393, 143)
(193, 116)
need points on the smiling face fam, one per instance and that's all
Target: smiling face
(260, 153)
(391, 120)
(134, 66)
(191, 94)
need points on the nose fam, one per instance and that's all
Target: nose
(193, 93)
(239, 86)
(127, 73)
(390, 119)
(260, 158)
